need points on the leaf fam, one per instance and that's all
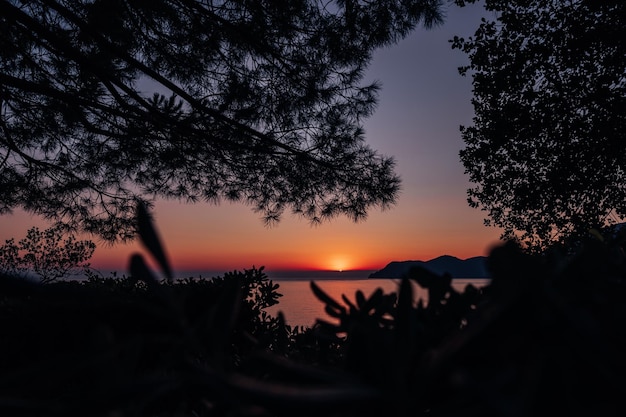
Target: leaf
(403, 314)
(439, 288)
(149, 237)
(325, 298)
(375, 299)
(140, 271)
(423, 277)
(333, 312)
(360, 298)
(348, 302)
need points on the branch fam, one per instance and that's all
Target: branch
(114, 50)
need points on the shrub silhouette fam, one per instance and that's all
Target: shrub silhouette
(545, 337)
(138, 345)
(46, 253)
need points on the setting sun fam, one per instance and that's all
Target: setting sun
(340, 263)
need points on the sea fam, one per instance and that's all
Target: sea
(300, 307)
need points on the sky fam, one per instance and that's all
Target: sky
(422, 103)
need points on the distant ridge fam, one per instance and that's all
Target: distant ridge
(475, 267)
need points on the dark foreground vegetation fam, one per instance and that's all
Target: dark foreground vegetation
(546, 337)
(263, 102)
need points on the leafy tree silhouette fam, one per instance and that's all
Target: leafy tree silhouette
(260, 102)
(46, 254)
(546, 147)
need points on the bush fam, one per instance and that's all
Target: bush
(544, 338)
(46, 254)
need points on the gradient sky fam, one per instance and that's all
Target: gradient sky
(422, 103)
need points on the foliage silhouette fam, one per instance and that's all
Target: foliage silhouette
(142, 346)
(260, 102)
(46, 254)
(545, 337)
(546, 146)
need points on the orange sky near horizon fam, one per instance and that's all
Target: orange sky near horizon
(423, 101)
(204, 237)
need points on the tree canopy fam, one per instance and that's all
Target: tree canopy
(104, 103)
(547, 147)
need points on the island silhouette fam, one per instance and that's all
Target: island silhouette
(475, 267)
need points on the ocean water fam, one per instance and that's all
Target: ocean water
(301, 308)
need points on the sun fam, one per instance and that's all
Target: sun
(339, 263)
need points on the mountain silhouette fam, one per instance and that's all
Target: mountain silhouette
(475, 267)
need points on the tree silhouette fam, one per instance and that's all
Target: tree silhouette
(104, 103)
(546, 148)
(46, 254)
